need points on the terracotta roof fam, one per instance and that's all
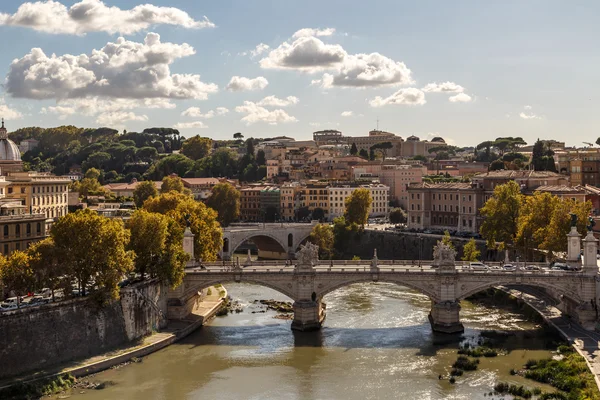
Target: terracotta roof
(560, 188)
(444, 185)
(129, 186)
(518, 174)
(200, 181)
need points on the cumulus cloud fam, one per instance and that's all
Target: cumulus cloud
(273, 101)
(119, 117)
(196, 113)
(408, 96)
(95, 16)
(240, 83)
(261, 48)
(124, 69)
(221, 110)
(445, 87)
(313, 32)
(366, 70)
(347, 114)
(8, 112)
(190, 125)
(529, 116)
(460, 98)
(305, 53)
(105, 109)
(255, 113)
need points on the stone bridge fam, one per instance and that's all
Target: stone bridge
(309, 280)
(277, 238)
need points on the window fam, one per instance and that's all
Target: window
(6, 249)
(469, 197)
(28, 229)
(17, 230)
(412, 219)
(464, 222)
(23, 190)
(412, 207)
(17, 246)
(418, 220)
(10, 190)
(470, 224)
(5, 230)
(469, 210)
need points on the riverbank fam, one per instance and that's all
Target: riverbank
(176, 330)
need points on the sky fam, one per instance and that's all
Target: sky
(467, 71)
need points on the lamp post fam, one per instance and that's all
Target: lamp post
(420, 248)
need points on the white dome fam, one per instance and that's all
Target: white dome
(9, 151)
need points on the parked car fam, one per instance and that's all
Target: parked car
(509, 267)
(532, 268)
(38, 300)
(7, 307)
(45, 292)
(478, 266)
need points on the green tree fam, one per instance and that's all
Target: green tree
(208, 239)
(322, 236)
(93, 173)
(143, 191)
(260, 158)
(93, 247)
(46, 266)
(238, 135)
(17, 274)
(501, 213)
(250, 147)
(371, 154)
(343, 232)
(97, 160)
(89, 187)
(172, 183)
(382, 148)
(173, 164)
(197, 147)
(302, 213)
(470, 252)
(147, 154)
(398, 216)
(447, 240)
(358, 206)
(353, 149)
(496, 165)
(364, 154)
(318, 214)
(225, 200)
(157, 241)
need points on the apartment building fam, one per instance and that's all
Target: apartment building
(19, 228)
(250, 208)
(200, 187)
(289, 200)
(270, 203)
(445, 206)
(339, 194)
(314, 195)
(376, 137)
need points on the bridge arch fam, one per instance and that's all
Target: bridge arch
(561, 290)
(234, 246)
(419, 287)
(283, 289)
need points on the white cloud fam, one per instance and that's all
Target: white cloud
(196, 113)
(527, 107)
(306, 54)
(119, 117)
(408, 96)
(190, 125)
(255, 113)
(313, 32)
(240, 83)
(273, 101)
(445, 87)
(123, 69)
(95, 16)
(365, 70)
(529, 116)
(460, 98)
(63, 112)
(221, 110)
(347, 114)
(8, 112)
(261, 48)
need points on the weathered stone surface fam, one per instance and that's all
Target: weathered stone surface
(36, 338)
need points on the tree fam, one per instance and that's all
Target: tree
(260, 158)
(542, 157)
(398, 216)
(173, 164)
(208, 239)
(46, 266)
(470, 252)
(371, 154)
(93, 173)
(318, 214)
(147, 154)
(250, 147)
(196, 147)
(98, 160)
(496, 165)
(353, 149)
(17, 274)
(225, 200)
(364, 154)
(358, 206)
(143, 191)
(157, 241)
(238, 135)
(302, 213)
(382, 147)
(447, 240)
(343, 231)
(271, 214)
(172, 183)
(89, 187)
(501, 213)
(92, 248)
(322, 236)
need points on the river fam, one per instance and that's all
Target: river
(376, 343)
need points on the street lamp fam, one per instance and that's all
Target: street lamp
(420, 248)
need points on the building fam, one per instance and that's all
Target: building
(327, 137)
(376, 137)
(126, 189)
(314, 195)
(200, 187)
(10, 156)
(527, 180)
(19, 228)
(339, 194)
(250, 208)
(444, 206)
(289, 200)
(40, 193)
(270, 203)
(413, 146)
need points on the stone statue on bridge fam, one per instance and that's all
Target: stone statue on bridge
(573, 220)
(308, 255)
(443, 255)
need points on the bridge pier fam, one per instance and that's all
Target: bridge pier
(308, 315)
(444, 317)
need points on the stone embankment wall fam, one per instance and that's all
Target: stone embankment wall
(405, 246)
(40, 337)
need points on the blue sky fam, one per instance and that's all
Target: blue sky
(512, 68)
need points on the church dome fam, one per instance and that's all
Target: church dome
(9, 151)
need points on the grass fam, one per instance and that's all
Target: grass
(39, 388)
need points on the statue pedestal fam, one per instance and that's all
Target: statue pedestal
(574, 245)
(590, 250)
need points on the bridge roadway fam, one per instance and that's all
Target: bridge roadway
(446, 286)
